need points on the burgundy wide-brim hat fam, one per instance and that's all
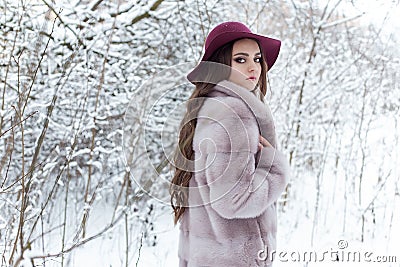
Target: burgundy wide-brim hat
(230, 31)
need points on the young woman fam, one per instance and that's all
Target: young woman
(228, 171)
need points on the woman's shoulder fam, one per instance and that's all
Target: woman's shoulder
(225, 124)
(219, 107)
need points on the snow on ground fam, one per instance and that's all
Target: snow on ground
(109, 250)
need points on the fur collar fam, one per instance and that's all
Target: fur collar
(260, 110)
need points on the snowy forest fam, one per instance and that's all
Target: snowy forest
(92, 92)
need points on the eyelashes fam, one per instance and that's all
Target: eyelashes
(258, 59)
(243, 60)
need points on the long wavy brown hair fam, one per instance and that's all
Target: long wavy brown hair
(184, 150)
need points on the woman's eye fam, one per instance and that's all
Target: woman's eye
(240, 60)
(257, 60)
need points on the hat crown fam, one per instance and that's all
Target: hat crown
(230, 26)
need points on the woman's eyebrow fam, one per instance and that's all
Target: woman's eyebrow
(245, 54)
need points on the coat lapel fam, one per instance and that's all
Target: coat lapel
(260, 110)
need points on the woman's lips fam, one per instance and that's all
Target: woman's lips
(252, 78)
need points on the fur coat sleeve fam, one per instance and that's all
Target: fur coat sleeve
(242, 181)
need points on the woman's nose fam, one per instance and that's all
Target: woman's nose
(251, 67)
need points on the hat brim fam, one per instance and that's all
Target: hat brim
(269, 46)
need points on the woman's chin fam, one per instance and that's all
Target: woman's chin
(247, 84)
(250, 85)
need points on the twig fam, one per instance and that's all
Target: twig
(9, 150)
(7, 71)
(92, 145)
(140, 248)
(80, 243)
(38, 66)
(17, 180)
(20, 234)
(377, 193)
(340, 21)
(147, 14)
(65, 214)
(19, 122)
(65, 24)
(68, 159)
(126, 239)
(42, 237)
(46, 232)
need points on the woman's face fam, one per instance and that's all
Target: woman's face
(246, 63)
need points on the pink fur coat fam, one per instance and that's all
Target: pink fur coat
(231, 219)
